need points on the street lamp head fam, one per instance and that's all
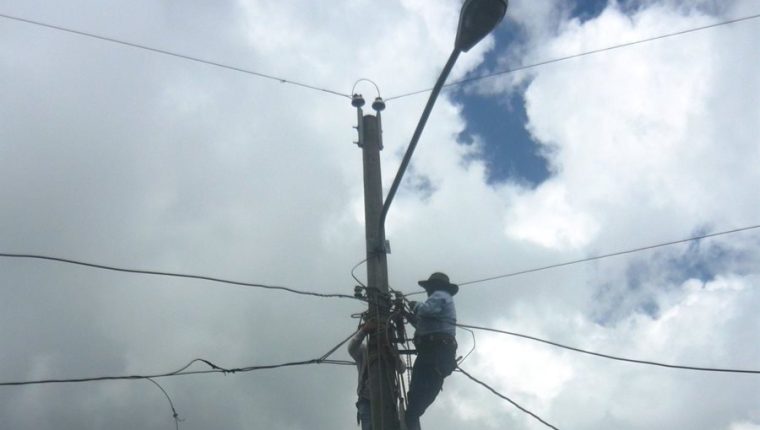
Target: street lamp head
(476, 20)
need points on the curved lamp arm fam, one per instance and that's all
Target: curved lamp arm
(416, 137)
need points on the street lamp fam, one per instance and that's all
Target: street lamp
(476, 19)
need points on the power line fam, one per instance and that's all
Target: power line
(175, 275)
(506, 398)
(353, 274)
(598, 257)
(172, 54)
(474, 345)
(182, 371)
(612, 357)
(333, 349)
(612, 254)
(175, 415)
(580, 54)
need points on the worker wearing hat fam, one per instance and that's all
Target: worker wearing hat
(434, 338)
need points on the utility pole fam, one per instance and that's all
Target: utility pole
(381, 366)
(477, 18)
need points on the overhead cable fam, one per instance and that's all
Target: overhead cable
(329, 353)
(612, 357)
(173, 54)
(506, 398)
(612, 254)
(175, 415)
(214, 369)
(183, 371)
(353, 274)
(175, 275)
(461, 360)
(580, 54)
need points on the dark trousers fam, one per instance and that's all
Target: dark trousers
(436, 359)
(364, 413)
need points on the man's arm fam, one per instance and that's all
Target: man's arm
(355, 344)
(432, 307)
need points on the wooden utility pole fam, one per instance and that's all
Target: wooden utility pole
(381, 368)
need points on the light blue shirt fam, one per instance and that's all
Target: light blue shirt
(437, 314)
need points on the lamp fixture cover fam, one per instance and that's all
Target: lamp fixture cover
(476, 19)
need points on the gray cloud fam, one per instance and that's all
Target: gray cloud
(115, 155)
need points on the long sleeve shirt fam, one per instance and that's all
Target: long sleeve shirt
(437, 314)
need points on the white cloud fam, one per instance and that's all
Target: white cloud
(121, 156)
(744, 426)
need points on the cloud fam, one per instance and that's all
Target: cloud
(120, 156)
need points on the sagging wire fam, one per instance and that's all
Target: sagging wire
(613, 357)
(603, 256)
(174, 275)
(353, 89)
(183, 371)
(173, 54)
(506, 398)
(175, 415)
(576, 55)
(461, 360)
(353, 275)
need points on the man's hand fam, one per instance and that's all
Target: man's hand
(412, 305)
(369, 326)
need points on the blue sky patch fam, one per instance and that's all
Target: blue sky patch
(586, 10)
(500, 121)
(508, 150)
(647, 278)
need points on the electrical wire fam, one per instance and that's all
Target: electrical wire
(613, 254)
(353, 274)
(182, 371)
(506, 398)
(580, 54)
(353, 89)
(171, 404)
(329, 353)
(612, 357)
(474, 345)
(175, 275)
(172, 54)
(602, 256)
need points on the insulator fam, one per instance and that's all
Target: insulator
(357, 101)
(378, 105)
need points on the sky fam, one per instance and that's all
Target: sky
(120, 156)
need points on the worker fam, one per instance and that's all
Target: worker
(434, 338)
(358, 351)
